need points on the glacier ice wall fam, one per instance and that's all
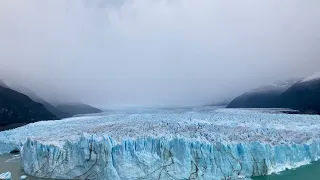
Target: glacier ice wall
(195, 143)
(7, 147)
(100, 157)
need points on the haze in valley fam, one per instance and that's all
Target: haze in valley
(156, 52)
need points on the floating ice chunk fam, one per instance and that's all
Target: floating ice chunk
(23, 177)
(5, 176)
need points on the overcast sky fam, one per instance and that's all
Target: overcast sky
(156, 52)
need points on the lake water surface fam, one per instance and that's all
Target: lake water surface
(308, 172)
(11, 162)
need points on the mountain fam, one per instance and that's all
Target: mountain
(3, 84)
(22, 89)
(60, 111)
(263, 97)
(17, 109)
(77, 108)
(303, 95)
(220, 103)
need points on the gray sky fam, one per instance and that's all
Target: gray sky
(156, 52)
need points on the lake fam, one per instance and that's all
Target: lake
(308, 172)
(11, 162)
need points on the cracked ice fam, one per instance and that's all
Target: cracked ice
(192, 143)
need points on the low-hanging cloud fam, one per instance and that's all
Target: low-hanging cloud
(156, 52)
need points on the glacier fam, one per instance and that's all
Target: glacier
(189, 143)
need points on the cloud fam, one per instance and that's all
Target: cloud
(156, 52)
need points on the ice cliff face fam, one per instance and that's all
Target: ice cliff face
(198, 143)
(100, 157)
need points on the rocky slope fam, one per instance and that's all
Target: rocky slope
(263, 97)
(17, 109)
(60, 111)
(303, 95)
(77, 108)
(59, 114)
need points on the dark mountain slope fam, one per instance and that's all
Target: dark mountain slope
(59, 114)
(3, 84)
(263, 97)
(17, 108)
(77, 108)
(303, 96)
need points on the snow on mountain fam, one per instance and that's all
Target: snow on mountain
(195, 143)
(303, 95)
(280, 86)
(262, 97)
(315, 76)
(2, 83)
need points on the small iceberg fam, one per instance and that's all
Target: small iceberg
(5, 176)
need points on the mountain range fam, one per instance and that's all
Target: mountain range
(20, 105)
(17, 109)
(302, 95)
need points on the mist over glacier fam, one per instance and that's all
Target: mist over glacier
(164, 52)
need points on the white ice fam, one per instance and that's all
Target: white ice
(193, 143)
(5, 176)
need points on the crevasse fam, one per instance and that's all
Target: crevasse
(101, 157)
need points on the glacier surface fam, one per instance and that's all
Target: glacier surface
(191, 143)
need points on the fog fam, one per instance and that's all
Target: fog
(156, 52)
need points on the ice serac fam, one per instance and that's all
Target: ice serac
(100, 157)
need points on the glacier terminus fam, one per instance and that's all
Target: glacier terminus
(202, 143)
